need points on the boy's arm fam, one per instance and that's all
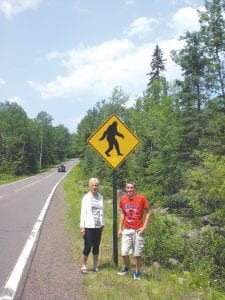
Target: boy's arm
(147, 219)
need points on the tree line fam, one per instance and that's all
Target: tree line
(28, 145)
(180, 163)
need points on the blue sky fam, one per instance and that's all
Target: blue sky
(63, 56)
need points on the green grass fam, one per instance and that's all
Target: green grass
(7, 178)
(106, 284)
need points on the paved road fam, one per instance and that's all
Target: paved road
(20, 205)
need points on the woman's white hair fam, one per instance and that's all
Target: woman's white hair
(93, 180)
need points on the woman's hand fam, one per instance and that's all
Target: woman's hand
(82, 231)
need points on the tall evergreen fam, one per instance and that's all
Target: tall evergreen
(212, 31)
(192, 61)
(157, 66)
(202, 63)
(192, 95)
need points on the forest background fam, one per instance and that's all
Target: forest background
(180, 163)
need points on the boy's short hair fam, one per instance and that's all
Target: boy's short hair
(131, 182)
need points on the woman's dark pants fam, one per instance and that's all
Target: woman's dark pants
(92, 239)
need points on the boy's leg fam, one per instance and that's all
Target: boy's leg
(127, 247)
(138, 263)
(138, 249)
(126, 260)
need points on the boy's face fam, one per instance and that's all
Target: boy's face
(130, 190)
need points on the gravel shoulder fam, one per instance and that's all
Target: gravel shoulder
(53, 273)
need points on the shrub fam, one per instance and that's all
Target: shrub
(163, 240)
(205, 186)
(205, 257)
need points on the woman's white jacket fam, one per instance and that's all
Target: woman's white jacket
(92, 212)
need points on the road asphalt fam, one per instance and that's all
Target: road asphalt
(54, 274)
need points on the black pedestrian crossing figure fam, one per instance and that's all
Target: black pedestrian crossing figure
(110, 134)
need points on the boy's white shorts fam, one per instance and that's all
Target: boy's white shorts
(132, 242)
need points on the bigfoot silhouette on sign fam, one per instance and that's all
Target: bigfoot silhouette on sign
(110, 134)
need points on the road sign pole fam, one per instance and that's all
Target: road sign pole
(115, 233)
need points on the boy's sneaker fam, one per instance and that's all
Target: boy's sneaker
(137, 275)
(123, 272)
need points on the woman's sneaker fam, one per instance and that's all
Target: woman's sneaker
(123, 272)
(95, 270)
(137, 275)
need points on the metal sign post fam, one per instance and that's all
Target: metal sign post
(114, 141)
(115, 233)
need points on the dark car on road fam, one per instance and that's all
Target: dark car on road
(61, 168)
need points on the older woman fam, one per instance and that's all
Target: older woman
(91, 224)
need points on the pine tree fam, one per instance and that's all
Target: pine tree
(212, 30)
(157, 67)
(193, 93)
(193, 65)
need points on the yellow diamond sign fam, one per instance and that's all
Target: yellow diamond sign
(114, 141)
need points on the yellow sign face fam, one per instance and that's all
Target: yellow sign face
(114, 141)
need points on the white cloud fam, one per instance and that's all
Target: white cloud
(53, 55)
(129, 2)
(187, 2)
(107, 51)
(2, 82)
(185, 19)
(173, 71)
(95, 71)
(11, 8)
(141, 27)
(16, 99)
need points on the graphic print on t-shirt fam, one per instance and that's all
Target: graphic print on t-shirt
(132, 211)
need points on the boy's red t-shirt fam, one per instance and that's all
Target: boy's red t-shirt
(133, 210)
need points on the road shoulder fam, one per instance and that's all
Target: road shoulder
(53, 274)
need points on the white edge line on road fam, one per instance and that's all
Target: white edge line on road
(11, 285)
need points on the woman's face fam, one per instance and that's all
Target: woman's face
(94, 187)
